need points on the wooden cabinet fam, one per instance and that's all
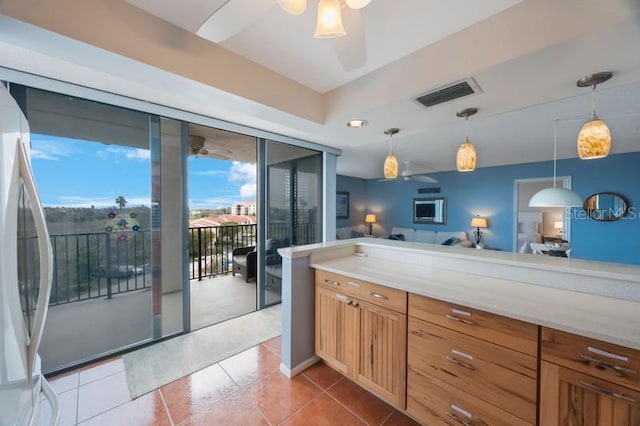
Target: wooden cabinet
(488, 363)
(571, 398)
(358, 332)
(587, 382)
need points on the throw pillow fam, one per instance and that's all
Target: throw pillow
(398, 237)
(355, 234)
(451, 241)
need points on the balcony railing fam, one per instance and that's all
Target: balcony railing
(100, 264)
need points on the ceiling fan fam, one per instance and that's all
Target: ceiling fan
(335, 19)
(407, 175)
(198, 147)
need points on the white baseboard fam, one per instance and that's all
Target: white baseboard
(298, 368)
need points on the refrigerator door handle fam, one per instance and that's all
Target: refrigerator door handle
(46, 258)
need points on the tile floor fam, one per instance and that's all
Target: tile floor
(246, 389)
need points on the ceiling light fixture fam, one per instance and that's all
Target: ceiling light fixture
(329, 23)
(294, 7)
(594, 139)
(357, 123)
(357, 4)
(391, 162)
(555, 197)
(466, 156)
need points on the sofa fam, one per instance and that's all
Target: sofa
(454, 238)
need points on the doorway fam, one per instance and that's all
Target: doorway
(537, 224)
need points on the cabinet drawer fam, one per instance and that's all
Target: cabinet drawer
(503, 331)
(503, 377)
(435, 402)
(373, 293)
(600, 359)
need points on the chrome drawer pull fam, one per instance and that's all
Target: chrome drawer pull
(462, 320)
(378, 295)
(457, 420)
(602, 391)
(353, 284)
(602, 364)
(332, 282)
(460, 363)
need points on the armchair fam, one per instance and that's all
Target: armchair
(244, 262)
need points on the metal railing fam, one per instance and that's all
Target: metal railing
(100, 264)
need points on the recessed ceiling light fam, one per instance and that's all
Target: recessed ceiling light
(356, 124)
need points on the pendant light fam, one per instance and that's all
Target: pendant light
(294, 7)
(555, 197)
(357, 4)
(594, 139)
(466, 156)
(329, 21)
(391, 162)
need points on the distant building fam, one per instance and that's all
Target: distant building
(219, 220)
(244, 208)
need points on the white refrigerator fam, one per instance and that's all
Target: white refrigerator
(25, 275)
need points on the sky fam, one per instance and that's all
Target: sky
(74, 173)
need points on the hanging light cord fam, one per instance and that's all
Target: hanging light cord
(466, 128)
(390, 144)
(593, 103)
(555, 145)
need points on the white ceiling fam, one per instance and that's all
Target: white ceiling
(525, 55)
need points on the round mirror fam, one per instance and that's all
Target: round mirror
(606, 206)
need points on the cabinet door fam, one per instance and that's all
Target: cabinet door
(335, 323)
(382, 346)
(570, 398)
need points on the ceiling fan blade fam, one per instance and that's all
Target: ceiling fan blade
(233, 17)
(425, 179)
(388, 180)
(351, 49)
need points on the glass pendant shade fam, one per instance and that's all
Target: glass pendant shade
(466, 157)
(390, 167)
(555, 197)
(594, 140)
(357, 4)
(329, 24)
(294, 7)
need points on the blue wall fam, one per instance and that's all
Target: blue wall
(357, 189)
(489, 192)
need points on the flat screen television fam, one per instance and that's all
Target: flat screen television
(430, 210)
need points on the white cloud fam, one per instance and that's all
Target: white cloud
(212, 203)
(127, 153)
(49, 150)
(209, 173)
(79, 201)
(245, 175)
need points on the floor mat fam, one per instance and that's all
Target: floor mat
(156, 365)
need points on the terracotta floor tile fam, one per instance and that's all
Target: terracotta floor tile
(64, 383)
(68, 402)
(191, 394)
(101, 370)
(251, 365)
(369, 407)
(275, 345)
(148, 410)
(236, 410)
(323, 411)
(277, 396)
(102, 395)
(322, 375)
(399, 419)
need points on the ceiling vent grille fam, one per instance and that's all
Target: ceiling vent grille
(449, 92)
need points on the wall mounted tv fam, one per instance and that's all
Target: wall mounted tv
(430, 210)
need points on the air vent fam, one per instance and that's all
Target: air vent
(449, 92)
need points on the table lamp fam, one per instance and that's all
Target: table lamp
(370, 219)
(478, 222)
(558, 227)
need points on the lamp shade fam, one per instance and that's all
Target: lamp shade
(466, 157)
(294, 7)
(357, 4)
(479, 222)
(370, 218)
(594, 139)
(390, 167)
(557, 224)
(329, 23)
(555, 197)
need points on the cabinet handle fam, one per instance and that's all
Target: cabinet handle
(602, 391)
(378, 295)
(458, 319)
(332, 282)
(457, 420)
(460, 363)
(603, 364)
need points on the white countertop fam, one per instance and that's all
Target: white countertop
(609, 319)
